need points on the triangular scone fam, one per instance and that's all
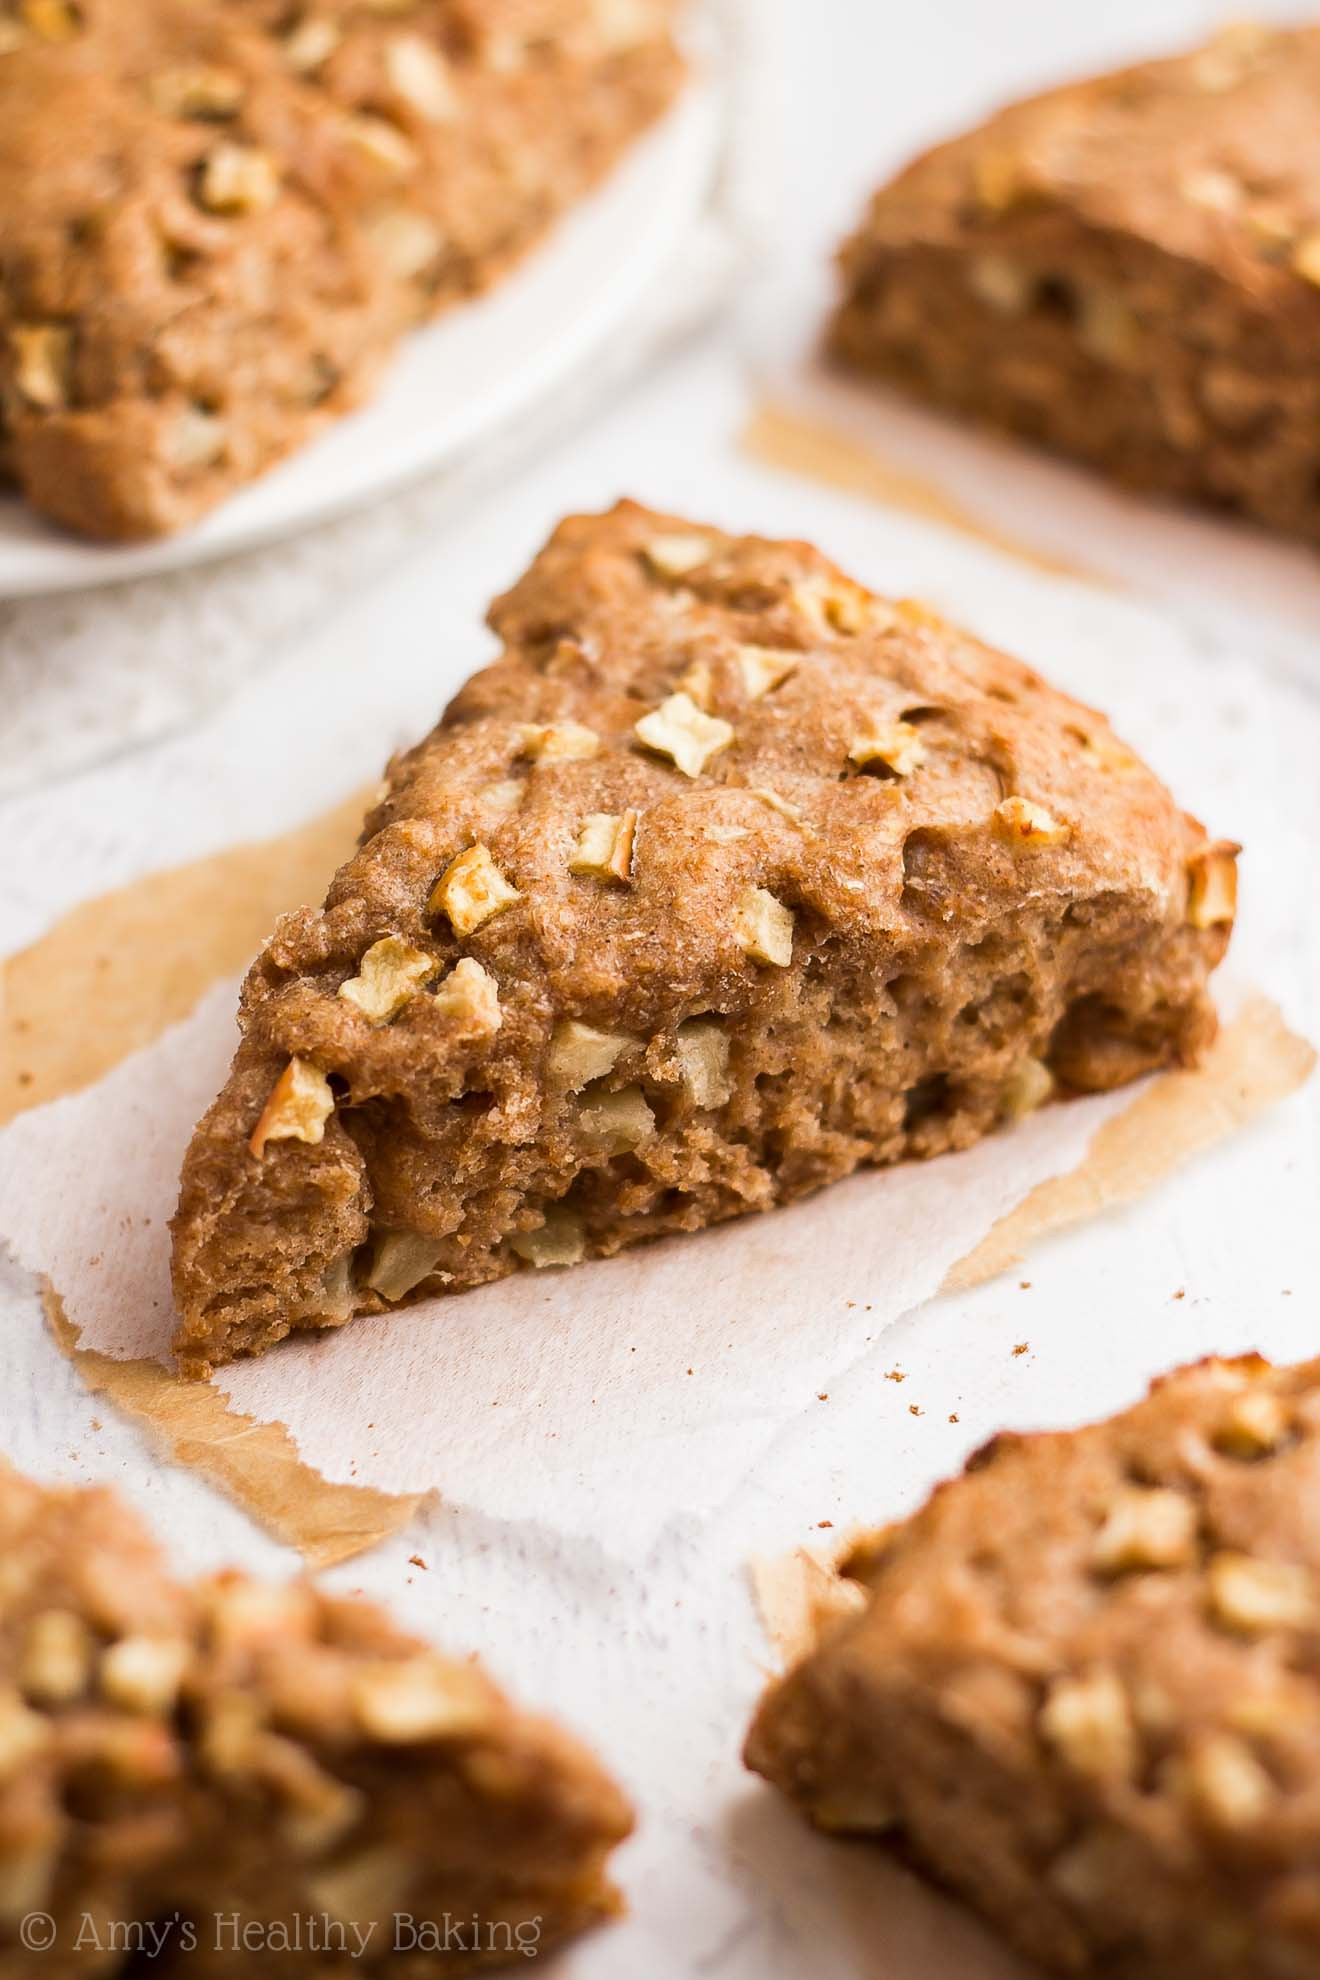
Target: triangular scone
(222, 1762)
(725, 878)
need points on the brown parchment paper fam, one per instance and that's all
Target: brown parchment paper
(142, 956)
(795, 444)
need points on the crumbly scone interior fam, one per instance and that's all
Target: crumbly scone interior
(1083, 1688)
(726, 878)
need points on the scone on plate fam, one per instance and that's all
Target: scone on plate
(1081, 1687)
(218, 217)
(725, 879)
(1126, 269)
(232, 1761)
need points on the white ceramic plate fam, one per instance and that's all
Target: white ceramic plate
(451, 384)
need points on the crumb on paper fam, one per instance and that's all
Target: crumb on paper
(415, 1560)
(914, 1410)
(953, 1416)
(896, 1375)
(1021, 1347)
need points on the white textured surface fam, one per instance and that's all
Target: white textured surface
(660, 1659)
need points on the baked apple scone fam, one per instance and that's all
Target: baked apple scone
(1081, 1686)
(725, 879)
(219, 217)
(1126, 269)
(234, 1765)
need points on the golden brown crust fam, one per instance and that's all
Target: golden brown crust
(1125, 269)
(217, 220)
(1085, 1689)
(244, 1751)
(883, 889)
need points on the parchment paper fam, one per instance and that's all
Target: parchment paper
(607, 1400)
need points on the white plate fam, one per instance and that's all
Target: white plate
(450, 385)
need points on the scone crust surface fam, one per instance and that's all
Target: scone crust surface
(241, 1750)
(1083, 1688)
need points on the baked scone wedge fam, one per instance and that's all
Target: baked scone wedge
(1126, 269)
(1081, 1686)
(219, 217)
(726, 878)
(232, 1754)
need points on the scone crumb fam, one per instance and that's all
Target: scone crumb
(674, 556)
(1212, 885)
(1253, 1597)
(390, 974)
(1146, 1529)
(684, 733)
(557, 742)
(471, 891)
(236, 178)
(1088, 1721)
(560, 1240)
(470, 996)
(763, 927)
(604, 849)
(401, 1260)
(1021, 822)
(897, 746)
(43, 359)
(702, 1045)
(580, 1053)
